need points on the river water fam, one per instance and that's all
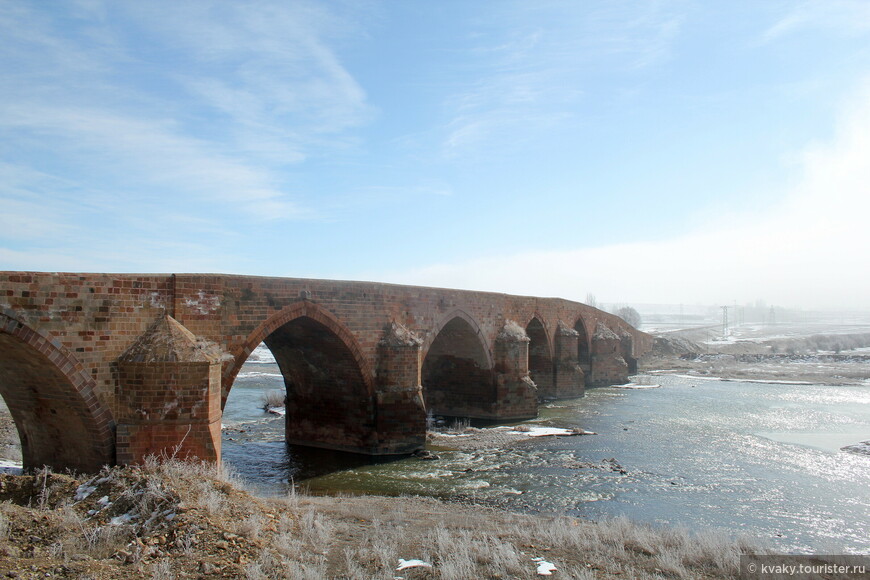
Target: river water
(759, 459)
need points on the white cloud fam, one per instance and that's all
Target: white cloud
(219, 101)
(840, 16)
(811, 251)
(152, 151)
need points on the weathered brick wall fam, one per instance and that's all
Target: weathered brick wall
(96, 317)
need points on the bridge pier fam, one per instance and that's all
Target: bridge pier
(516, 395)
(401, 413)
(169, 391)
(569, 380)
(608, 366)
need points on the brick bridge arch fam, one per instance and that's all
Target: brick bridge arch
(541, 367)
(61, 423)
(457, 370)
(328, 383)
(301, 309)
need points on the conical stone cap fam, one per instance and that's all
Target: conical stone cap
(602, 332)
(167, 340)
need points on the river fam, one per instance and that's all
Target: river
(757, 459)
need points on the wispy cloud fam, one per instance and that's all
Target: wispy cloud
(250, 93)
(268, 68)
(530, 73)
(841, 16)
(154, 153)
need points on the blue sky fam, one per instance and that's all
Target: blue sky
(670, 151)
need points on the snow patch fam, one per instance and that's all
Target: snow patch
(261, 355)
(11, 467)
(546, 431)
(255, 374)
(862, 448)
(122, 519)
(512, 331)
(405, 564)
(544, 568)
(768, 381)
(83, 491)
(636, 386)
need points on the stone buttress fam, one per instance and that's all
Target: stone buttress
(608, 366)
(569, 379)
(169, 391)
(401, 413)
(516, 393)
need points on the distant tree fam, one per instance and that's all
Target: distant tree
(630, 315)
(590, 300)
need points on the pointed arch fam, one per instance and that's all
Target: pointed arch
(472, 323)
(457, 373)
(298, 310)
(541, 368)
(60, 420)
(583, 342)
(330, 398)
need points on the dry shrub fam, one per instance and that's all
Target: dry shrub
(250, 527)
(162, 570)
(273, 399)
(316, 530)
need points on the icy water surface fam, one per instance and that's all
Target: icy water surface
(755, 458)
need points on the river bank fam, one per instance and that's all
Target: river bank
(177, 520)
(816, 359)
(184, 520)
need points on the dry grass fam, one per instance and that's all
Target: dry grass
(174, 519)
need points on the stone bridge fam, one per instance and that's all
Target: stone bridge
(108, 368)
